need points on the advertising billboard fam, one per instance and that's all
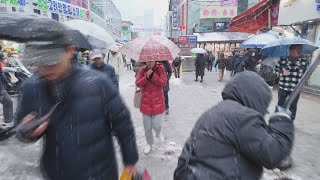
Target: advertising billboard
(64, 8)
(186, 43)
(218, 9)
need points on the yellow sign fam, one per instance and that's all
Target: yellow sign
(217, 9)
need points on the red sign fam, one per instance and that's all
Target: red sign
(183, 39)
(182, 27)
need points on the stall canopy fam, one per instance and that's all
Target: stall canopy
(262, 15)
(222, 37)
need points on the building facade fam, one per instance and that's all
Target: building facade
(305, 17)
(112, 15)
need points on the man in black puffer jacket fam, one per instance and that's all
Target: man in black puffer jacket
(77, 140)
(232, 140)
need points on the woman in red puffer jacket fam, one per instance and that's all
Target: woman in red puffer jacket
(152, 79)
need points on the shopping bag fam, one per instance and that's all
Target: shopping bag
(141, 176)
(124, 175)
(137, 98)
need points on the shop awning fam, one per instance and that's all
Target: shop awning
(222, 36)
(256, 18)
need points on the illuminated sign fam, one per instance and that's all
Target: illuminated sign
(14, 2)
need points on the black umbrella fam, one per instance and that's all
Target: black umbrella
(79, 40)
(24, 28)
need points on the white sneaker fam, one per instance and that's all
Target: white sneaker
(7, 125)
(147, 149)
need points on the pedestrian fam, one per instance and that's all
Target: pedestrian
(152, 79)
(250, 61)
(232, 140)
(238, 63)
(211, 58)
(230, 64)
(290, 71)
(200, 64)
(177, 66)
(115, 59)
(221, 63)
(133, 63)
(5, 98)
(77, 139)
(166, 89)
(97, 63)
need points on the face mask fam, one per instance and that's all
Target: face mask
(97, 64)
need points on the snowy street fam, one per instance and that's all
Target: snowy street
(188, 100)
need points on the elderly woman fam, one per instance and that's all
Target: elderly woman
(152, 79)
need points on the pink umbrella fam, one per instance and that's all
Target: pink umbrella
(155, 48)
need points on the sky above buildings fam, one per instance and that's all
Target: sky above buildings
(130, 9)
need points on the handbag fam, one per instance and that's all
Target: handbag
(138, 98)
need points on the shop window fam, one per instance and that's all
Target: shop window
(14, 9)
(55, 16)
(37, 11)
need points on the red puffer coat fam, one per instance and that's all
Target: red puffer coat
(152, 90)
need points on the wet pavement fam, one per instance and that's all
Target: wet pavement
(188, 100)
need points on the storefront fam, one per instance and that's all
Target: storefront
(305, 15)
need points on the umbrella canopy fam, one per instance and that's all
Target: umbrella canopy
(259, 41)
(24, 28)
(280, 47)
(271, 61)
(198, 50)
(79, 40)
(98, 37)
(155, 48)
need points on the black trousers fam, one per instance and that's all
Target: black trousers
(282, 97)
(166, 99)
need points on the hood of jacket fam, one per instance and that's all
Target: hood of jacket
(250, 90)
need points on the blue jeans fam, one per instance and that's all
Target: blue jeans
(282, 97)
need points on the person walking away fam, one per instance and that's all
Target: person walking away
(210, 61)
(230, 64)
(77, 141)
(152, 79)
(115, 59)
(166, 89)
(200, 64)
(250, 61)
(177, 66)
(97, 63)
(232, 140)
(238, 63)
(290, 71)
(5, 98)
(221, 63)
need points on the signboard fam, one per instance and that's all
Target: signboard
(175, 14)
(220, 26)
(64, 8)
(13, 2)
(186, 43)
(296, 11)
(218, 9)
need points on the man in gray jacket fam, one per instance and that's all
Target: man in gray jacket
(232, 140)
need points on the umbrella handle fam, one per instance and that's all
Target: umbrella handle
(301, 83)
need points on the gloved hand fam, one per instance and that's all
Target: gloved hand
(282, 111)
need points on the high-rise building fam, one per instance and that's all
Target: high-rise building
(112, 14)
(149, 18)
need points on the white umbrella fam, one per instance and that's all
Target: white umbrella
(198, 50)
(98, 37)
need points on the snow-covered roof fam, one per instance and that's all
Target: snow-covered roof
(222, 36)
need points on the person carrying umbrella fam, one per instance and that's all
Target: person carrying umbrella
(232, 139)
(98, 64)
(200, 64)
(152, 79)
(290, 70)
(77, 139)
